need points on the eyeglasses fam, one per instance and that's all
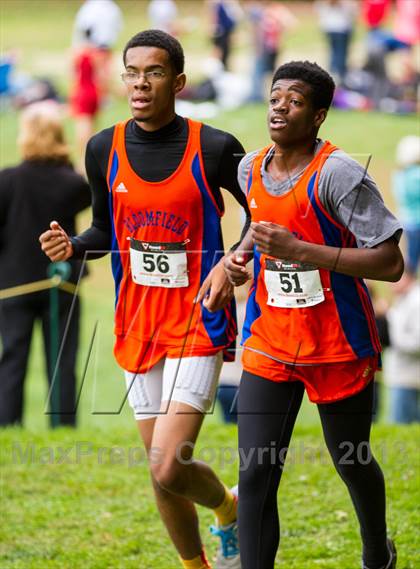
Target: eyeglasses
(131, 77)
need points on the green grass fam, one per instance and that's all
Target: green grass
(99, 513)
(96, 510)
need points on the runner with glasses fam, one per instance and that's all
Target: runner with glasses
(157, 204)
(131, 77)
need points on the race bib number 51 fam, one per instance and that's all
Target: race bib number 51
(158, 264)
(292, 284)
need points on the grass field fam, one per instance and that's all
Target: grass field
(82, 499)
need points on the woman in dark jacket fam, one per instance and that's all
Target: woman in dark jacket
(42, 187)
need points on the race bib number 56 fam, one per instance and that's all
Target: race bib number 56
(292, 284)
(158, 264)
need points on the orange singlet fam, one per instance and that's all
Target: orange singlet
(166, 238)
(299, 314)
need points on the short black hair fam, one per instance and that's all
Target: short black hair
(321, 83)
(158, 38)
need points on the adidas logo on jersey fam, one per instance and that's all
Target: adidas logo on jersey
(253, 203)
(121, 188)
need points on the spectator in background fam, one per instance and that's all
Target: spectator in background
(407, 31)
(375, 12)
(402, 363)
(43, 187)
(227, 392)
(270, 20)
(103, 19)
(407, 22)
(7, 64)
(406, 189)
(386, 94)
(85, 96)
(380, 307)
(336, 19)
(163, 15)
(225, 15)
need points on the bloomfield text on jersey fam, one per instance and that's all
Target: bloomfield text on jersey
(154, 218)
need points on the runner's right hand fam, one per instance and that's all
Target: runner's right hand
(56, 243)
(235, 268)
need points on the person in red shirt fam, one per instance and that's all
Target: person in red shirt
(375, 12)
(85, 95)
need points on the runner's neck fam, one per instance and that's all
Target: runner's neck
(286, 163)
(173, 128)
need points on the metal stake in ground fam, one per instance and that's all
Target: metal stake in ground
(58, 272)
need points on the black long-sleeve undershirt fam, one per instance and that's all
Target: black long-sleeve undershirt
(154, 156)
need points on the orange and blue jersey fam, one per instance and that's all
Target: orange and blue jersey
(340, 328)
(155, 321)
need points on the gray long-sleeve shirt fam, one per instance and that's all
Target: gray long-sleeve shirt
(346, 191)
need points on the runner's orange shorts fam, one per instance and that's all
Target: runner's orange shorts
(324, 383)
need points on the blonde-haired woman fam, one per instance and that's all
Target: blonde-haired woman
(43, 186)
(41, 135)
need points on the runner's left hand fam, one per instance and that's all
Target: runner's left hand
(216, 290)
